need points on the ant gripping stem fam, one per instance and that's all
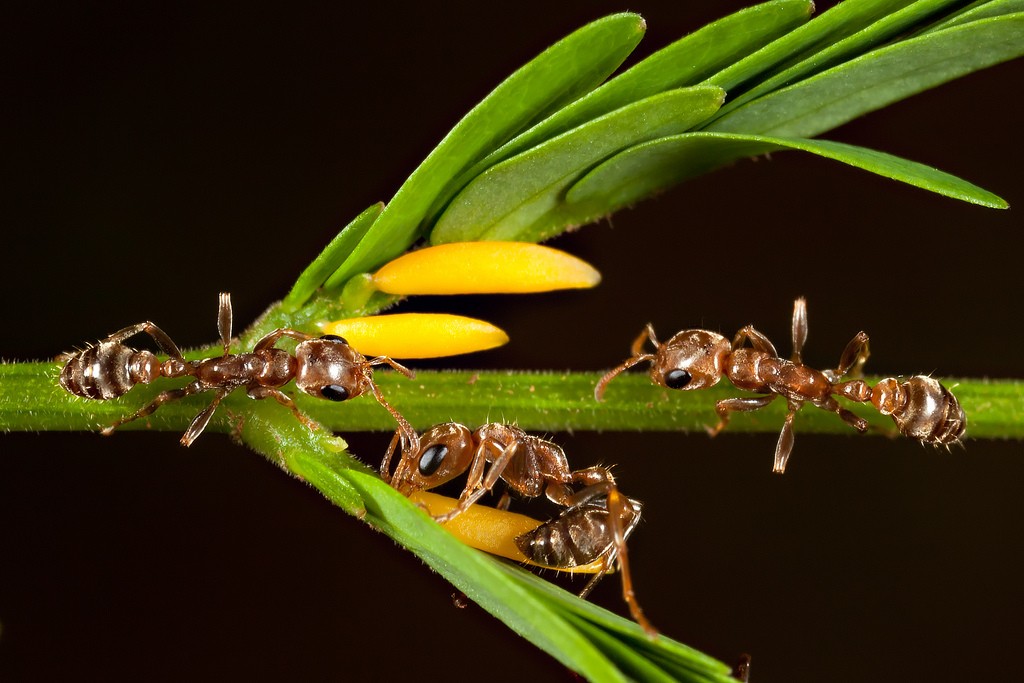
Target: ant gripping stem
(531, 467)
(325, 367)
(696, 359)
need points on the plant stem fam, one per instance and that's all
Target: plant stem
(31, 399)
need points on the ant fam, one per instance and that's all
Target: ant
(588, 533)
(530, 466)
(921, 407)
(325, 367)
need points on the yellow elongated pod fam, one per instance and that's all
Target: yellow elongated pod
(485, 268)
(489, 529)
(417, 335)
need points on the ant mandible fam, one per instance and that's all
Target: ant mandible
(325, 367)
(921, 407)
(529, 466)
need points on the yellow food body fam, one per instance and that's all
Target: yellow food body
(484, 268)
(489, 529)
(417, 335)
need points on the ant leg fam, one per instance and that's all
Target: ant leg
(477, 483)
(398, 367)
(504, 501)
(161, 398)
(202, 419)
(742, 670)
(410, 439)
(854, 356)
(785, 445)
(385, 466)
(224, 321)
(259, 393)
(855, 421)
(268, 340)
(163, 341)
(615, 372)
(737, 405)
(757, 340)
(799, 329)
(617, 504)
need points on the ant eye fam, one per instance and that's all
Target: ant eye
(334, 392)
(334, 337)
(677, 379)
(432, 459)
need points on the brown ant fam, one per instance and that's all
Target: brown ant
(529, 466)
(922, 408)
(325, 367)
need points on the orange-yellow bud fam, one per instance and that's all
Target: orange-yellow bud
(417, 335)
(484, 268)
(489, 529)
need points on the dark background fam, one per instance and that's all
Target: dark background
(154, 156)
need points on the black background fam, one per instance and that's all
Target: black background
(155, 155)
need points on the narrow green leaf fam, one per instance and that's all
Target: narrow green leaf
(671, 653)
(333, 255)
(634, 665)
(642, 170)
(481, 578)
(569, 68)
(502, 203)
(983, 9)
(683, 63)
(885, 28)
(832, 26)
(878, 78)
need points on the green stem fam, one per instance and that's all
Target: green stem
(31, 399)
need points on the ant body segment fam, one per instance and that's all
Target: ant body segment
(325, 367)
(586, 533)
(921, 407)
(528, 465)
(592, 527)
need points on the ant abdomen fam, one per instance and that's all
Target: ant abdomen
(580, 536)
(108, 370)
(922, 409)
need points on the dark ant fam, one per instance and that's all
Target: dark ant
(325, 367)
(587, 533)
(530, 466)
(921, 407)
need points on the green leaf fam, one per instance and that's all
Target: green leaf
(832, 26)
(333, 255)
(684, 62)
(502, 203)
(653, 166)
(885, 28)
(983, 9)
(683, 660)
(878, 78)
(482, 580)
(569, 68)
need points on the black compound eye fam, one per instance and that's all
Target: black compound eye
(334, 337)
(677, 379)
(432, 459)
(334, 392)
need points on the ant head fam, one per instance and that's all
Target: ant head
(329, 368)
(446, 451)
(692, 359)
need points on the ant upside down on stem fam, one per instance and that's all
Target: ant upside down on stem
(920, 406)
(324, 367)
(595, 521)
